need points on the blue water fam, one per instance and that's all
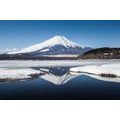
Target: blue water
(80, 88)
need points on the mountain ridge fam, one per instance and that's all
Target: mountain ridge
(56, 40)
(57, 47)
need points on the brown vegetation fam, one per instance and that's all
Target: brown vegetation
(102, 53)
(108, 75)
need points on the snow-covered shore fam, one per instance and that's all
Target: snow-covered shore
(23, 69)
(52, 63)
(14, 74)
(99, 69)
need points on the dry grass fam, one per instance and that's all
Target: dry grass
(108, 75)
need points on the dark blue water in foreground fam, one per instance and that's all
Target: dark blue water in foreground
(79, 88)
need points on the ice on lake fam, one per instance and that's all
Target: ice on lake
(22, 69)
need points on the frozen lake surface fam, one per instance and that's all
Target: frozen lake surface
(22, 69)
(53, 63)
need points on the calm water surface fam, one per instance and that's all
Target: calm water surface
(59, 83)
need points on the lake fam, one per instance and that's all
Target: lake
(58, 83)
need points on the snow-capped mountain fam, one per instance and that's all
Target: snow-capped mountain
(57, 40)
(54, 46)
(57, 47)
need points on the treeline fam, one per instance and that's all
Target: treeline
(102, 53)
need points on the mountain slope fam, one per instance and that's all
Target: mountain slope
(57, 40)
(56, 47)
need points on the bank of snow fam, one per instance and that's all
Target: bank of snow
(14, 74)
(53, 63)
(99, 69)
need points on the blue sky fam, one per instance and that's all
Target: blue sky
(20, 34)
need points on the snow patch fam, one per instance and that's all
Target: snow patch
(99, 69)
(98, 77)
(53, 63)
(14, 74)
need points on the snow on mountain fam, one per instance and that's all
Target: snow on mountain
(57, 40)
(8, 50)
(56, 47)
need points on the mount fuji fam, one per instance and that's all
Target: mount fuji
(58, 46)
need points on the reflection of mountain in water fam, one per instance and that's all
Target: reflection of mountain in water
(61, 75)
(58, 76)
